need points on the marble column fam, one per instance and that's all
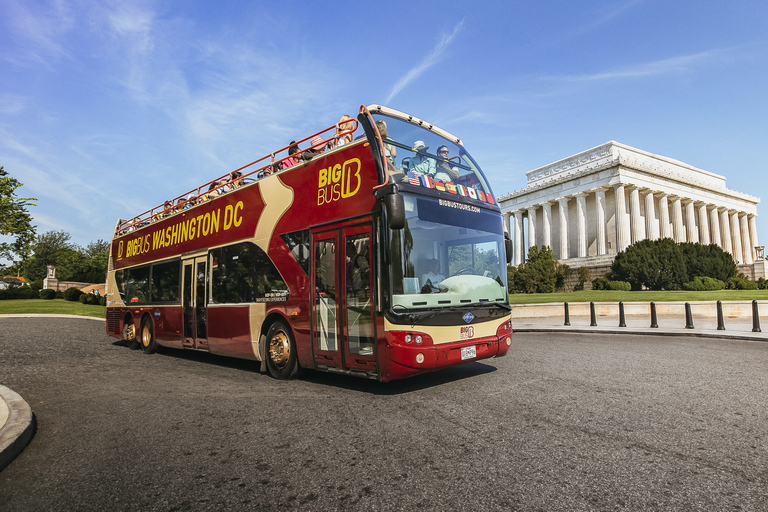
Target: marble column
(746, 244)
(600, 209)
(635, 220)
(703, 225)
(531, 227)
(665, 231)
(714, 224)
(564, 252)
(519, 245)
(677, 220)
(546, 224)
(736, 236)
(725, 231)
(690, 223)
(581, 226)
(753, 235)
(651, 222)
(622, 226)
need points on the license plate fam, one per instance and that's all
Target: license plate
(468, 353)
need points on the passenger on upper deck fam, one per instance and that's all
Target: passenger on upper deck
(443, 171)
(291, 160)
(317, 146)
(421, 163)
(235, 180)
(390, 151)
(345, 124)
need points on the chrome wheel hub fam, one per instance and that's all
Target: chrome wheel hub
(279, 349)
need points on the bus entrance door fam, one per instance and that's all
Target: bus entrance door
(194, 281)
(343, 303)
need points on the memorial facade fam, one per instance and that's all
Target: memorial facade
(592, 205)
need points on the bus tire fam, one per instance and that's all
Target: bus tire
(282, 359)
(129, 335)
(147, 336)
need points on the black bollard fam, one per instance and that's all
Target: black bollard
(755, 317)
(567, 315)
(720, 321)
(654, 320)
(688, 316)
(592, 317)
(622, 320)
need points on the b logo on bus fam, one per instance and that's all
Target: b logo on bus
(467, 332)
(338, 181)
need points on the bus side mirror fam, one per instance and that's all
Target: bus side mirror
(395, 205)
(508, 247)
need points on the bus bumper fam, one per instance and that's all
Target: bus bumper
(407, 359)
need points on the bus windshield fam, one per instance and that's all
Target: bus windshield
(448, 254)
(416, 150)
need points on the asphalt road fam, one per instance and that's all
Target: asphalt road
(564, 422)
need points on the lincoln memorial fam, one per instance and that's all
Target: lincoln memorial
(592, 205)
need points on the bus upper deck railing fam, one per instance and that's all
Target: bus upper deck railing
(232, 180)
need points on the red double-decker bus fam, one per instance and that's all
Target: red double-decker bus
(377, 250)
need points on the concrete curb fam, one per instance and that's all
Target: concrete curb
(50, 315)
(17, 425)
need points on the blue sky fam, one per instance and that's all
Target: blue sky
(108, 108)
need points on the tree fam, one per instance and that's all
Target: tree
(708, 261)
(47, 249)
(15, 220)
(653, 264)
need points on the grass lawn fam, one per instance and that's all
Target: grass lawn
(55, 306)
(643, 296)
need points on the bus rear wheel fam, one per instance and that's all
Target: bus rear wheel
(282, 360)
(148, 343)
(129, 335)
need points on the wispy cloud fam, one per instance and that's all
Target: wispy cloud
(40, 31)
(610, 15)
(430, 60)
(673, 65)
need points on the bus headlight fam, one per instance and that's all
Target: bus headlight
(408, 338)
(418, 339)
(419, 358)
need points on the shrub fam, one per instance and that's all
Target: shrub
(619, 285)
(741, 283)
(48, 294)
(562, 273)
(584, 276)
(103, 300)
(93, 299)
(762, 283)
(511, 271)
(72, 294)
(700, 284)
(600, 283)
(83, 298)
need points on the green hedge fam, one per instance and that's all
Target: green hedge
(18, 292)
(702, 284)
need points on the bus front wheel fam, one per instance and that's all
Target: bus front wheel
(282, 360)
(148, 343)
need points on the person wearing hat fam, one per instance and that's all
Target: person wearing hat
(316, 147)
(420, 162)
